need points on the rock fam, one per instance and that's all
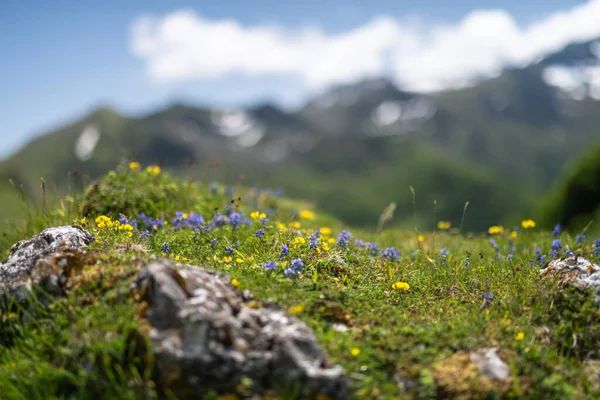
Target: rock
(43, 261)
(472, 375)
(205, 338)
(574, 270)
(489, 364)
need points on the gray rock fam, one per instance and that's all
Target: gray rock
(41, 261)
(574, 270)
(207, 335)
(490, 365)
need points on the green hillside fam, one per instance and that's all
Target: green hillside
(401, 315)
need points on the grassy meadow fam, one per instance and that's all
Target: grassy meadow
(398, 309)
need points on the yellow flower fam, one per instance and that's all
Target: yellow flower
(496, 229)
(295, 225)
(331, 240)
(254, 215)
(153, 170)
(519, 336)
(355, 351)
(134, 165)
(325, 247)
(421, 238)
(295, 310)
(281, 226)
(513, 234)
(325, 231)
(239, 260)
(528, 223)
(227, 259)
(235, 282)
(443, 225)
(307, 214)
(299, 240)
(401, 286)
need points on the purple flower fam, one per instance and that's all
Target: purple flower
(295, 268)
(235, 220)
(284, 251)
(165, 248)
(372, 249)
(579, 238)
(314, 239)
(596, 247)
(214, 187)
(229, 250)
(556, 246)
(360, 243)
(343, 239)
(391, 253)
(214, 241)
(260, 233)
(557, 230)
(270, 265)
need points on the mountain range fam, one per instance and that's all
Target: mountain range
(500, 144)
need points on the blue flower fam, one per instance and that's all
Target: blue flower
(556, 246)
(284, 251)
(391, 253)
(229, 250)
(570, 253)
(360, 243)
(236, 219)
(260, 233)
(494, 245)
(314, 239)
(343, 239)
(596, 247)
(270, 265)
(165, 248)
(145, 234)
(372, 249)
(488, 297)
(444, 252)
(579, 238)
(214, 241)
(557, 230)
(214, 187)
(295, 268)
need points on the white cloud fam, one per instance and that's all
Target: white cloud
(183, 46)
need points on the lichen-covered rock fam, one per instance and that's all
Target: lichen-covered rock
(207, 335)
(574, 270)
(42, 261)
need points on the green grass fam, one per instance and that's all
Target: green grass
(91, 344)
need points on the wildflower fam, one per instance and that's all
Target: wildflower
(495, 245)
(343, 239)
(355, 351)
(284, 251)
(214, 242)
(296, 225)
(270, 265)
(227, 259)
(467, 260)
(235, 283)
(307, 214)
(569, 253)
(556, 246)
(519, 336)
(229, 250)
(153, 170)
(557, 230)
(299, 240)
(134, 165)
(539, 256)
(528, 223)
(295, 310)
(314, 240)
(372, 249)
(401, 286)
(214, 187)
(360, 243)
(514, 234)
(444, 251)
(165, 248)
(239, 260)
(326, 231)
(325, 247)
(596, 247)
(235, 220)
(495, 229)
(488, 297)
(260, 233)
(579, 238)
(145, 234)
(391, 253)
(295, 267)
(420, 238)
(444, 225)
(281, 227)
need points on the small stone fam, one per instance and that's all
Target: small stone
(576, 271)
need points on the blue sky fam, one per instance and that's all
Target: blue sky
(63, 58)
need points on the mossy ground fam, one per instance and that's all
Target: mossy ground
(414, 335)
